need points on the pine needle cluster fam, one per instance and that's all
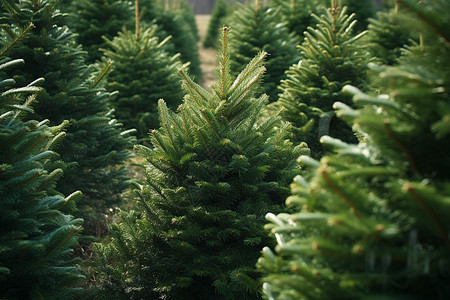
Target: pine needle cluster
(372, 218)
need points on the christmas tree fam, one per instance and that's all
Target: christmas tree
(142, 72)
(214, 170)
(186, 11)
(36, 238)
(297, 14)
(93, 19)
(172, 22)
(95, 146)
(220, 11)
(331, 58)
(388, 34)
(258, 28)
(372, 220)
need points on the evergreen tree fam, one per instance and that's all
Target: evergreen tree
(258, 28)
(95, 146)
(186, 11)
(363, 9)
(172, 22)
(93, 19)
(388, 34)
(373, 218)
(298, 14)
(220, 11)
(330, 59)
(213, 172)
(142, 72)
(36, 238)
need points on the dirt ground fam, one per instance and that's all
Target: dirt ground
(208, 62)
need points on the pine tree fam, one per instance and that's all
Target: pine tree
(330, 59)
(171, 22)
(373, 219)
(93, 19)
(220, 11)
(36, 238)
(213, 172)
(142, 72)
(95, 146)
(258, 28)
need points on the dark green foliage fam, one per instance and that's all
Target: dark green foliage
(373, 218)
(220, 11)
(331, 58)
(256, 29)
(297, 14)
(171, 22)
(95, 146)
(214, 170)
(186, 11)
(364, 9)
(388, 34)
(142, 72)
(92, 19)
(36, 238)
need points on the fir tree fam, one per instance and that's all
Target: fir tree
(142, 72)
(186, 11)
(213, 172)
(373, 218)
(387, 34)
(220, 11)
(36, 238)
(95, 146)
(258, 28)
(363, 9)
(330, 59)
(171, 22)
(93, 19)
(298, 14)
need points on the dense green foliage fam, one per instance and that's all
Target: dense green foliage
(331, 58)
(297, 14)
(142, 72)
(35, 236)
(220, 12)
(372, 220)
(214, 169)
(260, 29)
(93, 19)
(95, 146)
(172, 22)
(388, 34)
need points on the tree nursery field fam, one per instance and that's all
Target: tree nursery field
(272, 150)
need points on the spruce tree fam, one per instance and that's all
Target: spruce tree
(95, 147)
(256, 28)
(171, 22)
(373, 219)
(214, 169)
(142, 72)
(36, 237)
(331, 58)
(93, 19)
